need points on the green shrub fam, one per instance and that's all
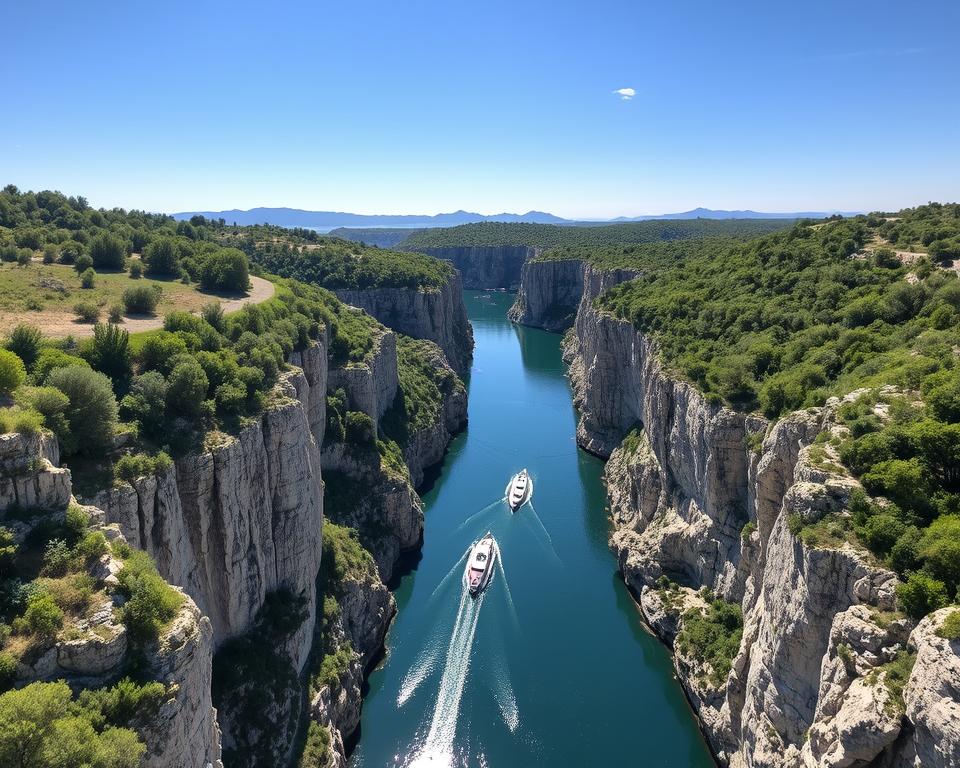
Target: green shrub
(53, 357)
(136, 269)
(51, 404)
(50, 253)
(82, 263)
(12, 372)
(88, 278)
(939, 548)
(151, 602)
(132, 466)
(142, 299)
(43, 617)
(23, 420)
(225, 270)
(146, 404)
(24, 256)
(950, 629)
(125, 704)
(8, 670)
(42, 727)
(713, 637)
(359, 429)
(159, 350)
(161, 257)
(8, 252)
(316, 751)
(212, 312)
(25, 342)
(92, 413)
(109, 353)
(56, 558)
(86, 311)
(108, 252)
(920, 594)
(115, 314)
(187, 388)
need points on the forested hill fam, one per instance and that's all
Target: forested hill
(551, 236)
(334, 263)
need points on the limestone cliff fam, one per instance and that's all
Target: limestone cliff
(437, 315)
(549, 294)
(486, 266)
(94, 650)
(702, 496)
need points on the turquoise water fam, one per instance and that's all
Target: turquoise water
(550, 666)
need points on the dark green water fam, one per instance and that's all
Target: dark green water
(550, 667)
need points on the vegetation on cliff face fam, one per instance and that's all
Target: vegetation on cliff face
(551, 235)
(712, 637)
(255, 685)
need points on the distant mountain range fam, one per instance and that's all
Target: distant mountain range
(710, 213)
(327, 220)
(294, 217)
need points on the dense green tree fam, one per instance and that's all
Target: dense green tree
(108, 252)
(92, 414)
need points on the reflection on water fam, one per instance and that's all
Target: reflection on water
(550, 666)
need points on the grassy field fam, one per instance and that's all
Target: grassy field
(44, 295)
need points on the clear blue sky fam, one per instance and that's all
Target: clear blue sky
(419, 107)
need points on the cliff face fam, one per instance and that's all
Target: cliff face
(241, 518)
(95, 650)
(692, 502)
(486, 266)
(549, 294)
(436, 315)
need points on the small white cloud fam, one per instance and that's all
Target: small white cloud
(625, 93)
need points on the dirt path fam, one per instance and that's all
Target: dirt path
(65, 324)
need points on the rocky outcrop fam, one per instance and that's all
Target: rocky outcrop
(94, 649)
(366, 609)
(486, 266)
(30, 479)
(549, 294)
(240, 519)
(932, 697)
(371, 385)
(709, 497)
(437, 315)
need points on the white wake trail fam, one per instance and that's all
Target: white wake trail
(437, 749)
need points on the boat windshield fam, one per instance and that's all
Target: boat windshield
(481, 557)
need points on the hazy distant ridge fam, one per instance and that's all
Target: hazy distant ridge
(295, 217)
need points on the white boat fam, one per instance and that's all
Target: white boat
(519, 489)
(480, 564)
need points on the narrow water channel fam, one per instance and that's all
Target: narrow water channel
(550, 666)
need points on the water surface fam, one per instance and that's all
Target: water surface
(550, 666)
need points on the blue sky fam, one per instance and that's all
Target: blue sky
(421, 107)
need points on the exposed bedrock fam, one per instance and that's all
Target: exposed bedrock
(95, 650)
(437, 315)
(709, 497)
(486, 266)
(549, 294)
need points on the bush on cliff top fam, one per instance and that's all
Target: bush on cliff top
(43, 726)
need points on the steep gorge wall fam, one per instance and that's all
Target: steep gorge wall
(691, 501)
(486, 266)
(96, 649)
(437, 315)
